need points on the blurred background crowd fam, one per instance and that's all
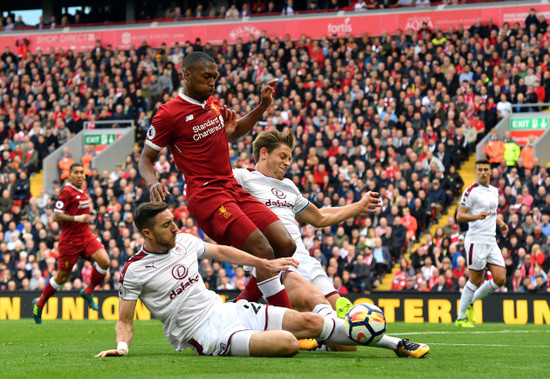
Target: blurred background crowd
(396, 114)
(170, 10)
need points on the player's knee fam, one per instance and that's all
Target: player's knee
(289, 247)
(285, 247)
(266, 251)
(500, 281)
(62, 277)
(105, 264)
(289, 345)
(258, 247)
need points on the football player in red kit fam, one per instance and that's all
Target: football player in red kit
(72, 211)
(197, 130)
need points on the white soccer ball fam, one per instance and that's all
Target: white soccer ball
(365, 324)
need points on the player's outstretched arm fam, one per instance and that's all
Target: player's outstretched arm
(247, 122)
(231, 255)
(462, 215)
(124, 329)
(157, 190)
(319, 218)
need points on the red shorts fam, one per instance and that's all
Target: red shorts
(69, 251)
(228, 214)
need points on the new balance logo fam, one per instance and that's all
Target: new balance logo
(189, 118)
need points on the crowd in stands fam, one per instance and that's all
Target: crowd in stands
(396, 114)
(170, 10)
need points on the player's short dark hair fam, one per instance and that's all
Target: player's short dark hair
(75, 164)
(196, 58)
(271, 139)
(144, 214)
(482, 161)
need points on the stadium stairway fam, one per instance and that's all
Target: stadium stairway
(467, 172)
(37, 182)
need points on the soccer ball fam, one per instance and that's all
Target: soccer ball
(365, 324)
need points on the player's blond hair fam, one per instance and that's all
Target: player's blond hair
(271, 139)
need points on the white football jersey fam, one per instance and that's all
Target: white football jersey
(477, 199)
(171, 288)
(281, 196)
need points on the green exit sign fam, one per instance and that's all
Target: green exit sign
(99, 139)
(535, 123)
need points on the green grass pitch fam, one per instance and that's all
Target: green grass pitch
(66, 349)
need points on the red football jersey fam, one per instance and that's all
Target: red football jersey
(196, 135)
(74, 202)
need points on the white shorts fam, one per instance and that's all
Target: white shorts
(313, 272)
(214, 337)
(478, 255)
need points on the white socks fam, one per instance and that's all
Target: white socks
(54, 284)
(485, 290)
(334, 329)
(472, 293)
(388, 342)
(99, 269)
(466, 299)
(271, 286)
(324, 310)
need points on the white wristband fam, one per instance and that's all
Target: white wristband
(79, 218)
(122, 346)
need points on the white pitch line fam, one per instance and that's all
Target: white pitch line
(476, 332)
(487, 345)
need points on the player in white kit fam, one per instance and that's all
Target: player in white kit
(478, 207)
(164, 275)
(308, 286)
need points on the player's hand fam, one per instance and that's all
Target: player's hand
(267, 93)
(229, 119)
(280, 264)
(482, 216)
(112, 353)
(504, 228)
(158, 192)
(372, 201)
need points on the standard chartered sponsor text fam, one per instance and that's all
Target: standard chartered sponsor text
(209, 124)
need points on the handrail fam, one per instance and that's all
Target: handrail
(526, 105)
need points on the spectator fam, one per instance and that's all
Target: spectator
(494, 149)
(441, 285)
(531, 19)
(436, 197)
(511, 150)
(360, 5)
(19, 23)
(22, 191)
(382, 257)
(504, 107)
(232, 12)
(288, 9)
(362, 272)
(410, 224)
(9, 23)
(460, 270)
